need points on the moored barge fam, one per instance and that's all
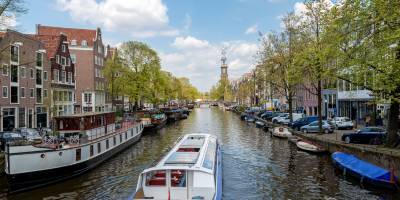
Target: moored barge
(81, 143)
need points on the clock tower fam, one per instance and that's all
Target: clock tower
(224, 66)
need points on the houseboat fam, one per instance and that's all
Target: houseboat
(191, 170)
(81, 142)
(158, 121)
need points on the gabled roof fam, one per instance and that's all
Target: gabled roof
(72, 33)
(51, 43)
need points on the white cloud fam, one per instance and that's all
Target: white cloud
(252, 29)
(189, 42)
(8, 21)
(199, 60)
(148, 18)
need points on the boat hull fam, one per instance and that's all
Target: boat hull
(155, 127)
(31, 180)
(304, 146)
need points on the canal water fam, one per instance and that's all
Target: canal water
(255, 166)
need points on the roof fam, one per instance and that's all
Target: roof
(72, 33)
(51, 43)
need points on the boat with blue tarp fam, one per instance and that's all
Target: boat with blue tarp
(365, 171)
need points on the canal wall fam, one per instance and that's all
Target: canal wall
(387, 158)
(381, 156)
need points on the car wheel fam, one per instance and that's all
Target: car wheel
(347, 140)
(298, 128)
(305, 130)
(326, 131)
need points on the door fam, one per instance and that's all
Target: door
(8, 119)
(178, 184)
(313, 127)
(30, 118)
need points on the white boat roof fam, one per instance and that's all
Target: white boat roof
(184, 160)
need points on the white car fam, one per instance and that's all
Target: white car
(278, 119)
(343, 123)
(295, 116)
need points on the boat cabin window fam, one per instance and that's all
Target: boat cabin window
(107, 144)
(209, 158)
(156, 178)
(91, 150)
(114, 140)
(178, 178)
(126, 135)
(120, 138)
(78, 154)
(185, 149)
(98, 147)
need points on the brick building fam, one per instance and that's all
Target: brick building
(24, 82)
(62, 74)
(87, 53)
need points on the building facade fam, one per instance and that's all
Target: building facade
(87, 53)
(24, 82)
(62, 90)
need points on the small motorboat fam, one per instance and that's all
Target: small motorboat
(309, 147)
(365, 171)
(281, 132)
(250, 118)
(259, 124)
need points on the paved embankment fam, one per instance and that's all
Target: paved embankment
(387, 158)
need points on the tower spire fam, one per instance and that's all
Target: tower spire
(224, 66)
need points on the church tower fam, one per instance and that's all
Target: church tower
(224, 66)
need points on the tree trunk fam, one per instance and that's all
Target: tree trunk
(393, 125)
(319, 94)
(290, 102)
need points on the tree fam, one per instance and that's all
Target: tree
(9, 9)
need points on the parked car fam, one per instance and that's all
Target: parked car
(279, 118)
(6, 137)
(343, 123)
(269, 115)
(296, 116)
(302, 121)
(366, 135)
(30, 134)
(313, 127)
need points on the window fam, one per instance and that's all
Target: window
(21, 117)
(22, 72)
(120, 138)
(31, 93)
(22, 92)
(156, 178)
(73, 58)
(78, 155)
(58, 59)
(39, 77)
(14, 73)
(99, 147)
(178, 178)
(73, 42)
(38, 95)
(69, 78)
(95, 59)
(5, 70)
(114, 141)
(107, 144)
(63, 60)
(55, 74)
(84, 43)
(63, 76)
(14, 94)
(45, 75)
(88, 98)
(14, 53)
(32, 73)
(91, 150)
(126, 135)
(63, 48)
(39, 59)
(45, 93)
(69, 96)
(5, 92)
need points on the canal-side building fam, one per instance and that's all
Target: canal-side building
(62, 90)
(305, 100)
(24, 82)
(87, 53)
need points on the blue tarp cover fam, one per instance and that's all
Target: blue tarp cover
(363, 168)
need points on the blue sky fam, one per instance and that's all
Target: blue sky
(188, 34)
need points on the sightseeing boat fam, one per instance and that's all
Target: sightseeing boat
(191, 170)
(81, 142)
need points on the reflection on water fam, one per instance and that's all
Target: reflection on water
(255, 166)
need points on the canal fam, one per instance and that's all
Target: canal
(255, 166)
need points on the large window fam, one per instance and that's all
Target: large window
(39, 77)
(21, 116)
(39, 59)
(14, 73)
(88, 98)
(39, 95)
(14, 94)
(14, 53)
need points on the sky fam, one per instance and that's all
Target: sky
(187, 34)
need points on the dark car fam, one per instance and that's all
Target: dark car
(6, 137)
(269, 115)
(366, 135)
(296, 125)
